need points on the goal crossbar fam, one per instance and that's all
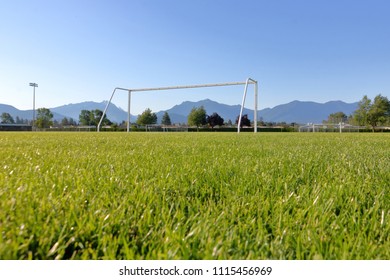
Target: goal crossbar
(246, 83)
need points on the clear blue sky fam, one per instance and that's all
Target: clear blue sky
(76, 51)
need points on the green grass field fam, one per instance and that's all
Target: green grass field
(194, 196)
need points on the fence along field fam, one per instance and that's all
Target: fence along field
(194, 196)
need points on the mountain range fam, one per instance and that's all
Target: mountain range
(295, 111)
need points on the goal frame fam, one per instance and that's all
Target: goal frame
(246, 83)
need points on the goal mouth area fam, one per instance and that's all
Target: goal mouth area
(246, 83)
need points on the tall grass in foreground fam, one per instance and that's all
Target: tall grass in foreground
(194, 196)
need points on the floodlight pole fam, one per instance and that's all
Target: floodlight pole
(34, 85)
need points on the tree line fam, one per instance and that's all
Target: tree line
(370, 113)
(197, 117)
(44, 119)
(6, 118)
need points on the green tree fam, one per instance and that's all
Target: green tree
(93, 117)
(379, 111)
(72, 121)
(85, 117)
(337, 117)
(372, 113)
(166, 120)
(197, 117)
(20, 120)
(44, 118)
(229, 122)
(96, 115)
(147, 117)
(6, 118)
(361, 114)
(65, 121)
(245, 121)
(214, 120)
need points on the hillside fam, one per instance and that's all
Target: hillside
(114, 113)
(25, 114)
(306, 111)
(295, 111)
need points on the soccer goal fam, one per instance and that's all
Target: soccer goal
(246, 83)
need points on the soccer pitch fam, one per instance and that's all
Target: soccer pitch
(194, 196)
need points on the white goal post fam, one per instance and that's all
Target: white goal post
(246, 83)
